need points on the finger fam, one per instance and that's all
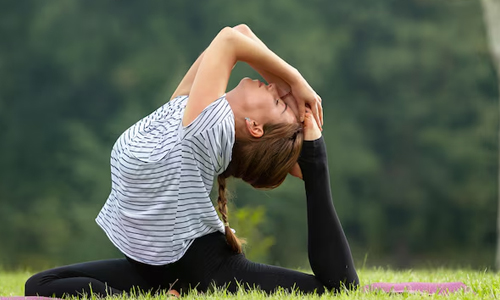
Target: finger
(320, 109)
(302, 109)
(320, 123)
(308, 119)
(316, 114)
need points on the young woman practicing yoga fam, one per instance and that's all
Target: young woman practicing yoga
(159, 214)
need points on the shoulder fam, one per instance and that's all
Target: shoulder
(217, 114)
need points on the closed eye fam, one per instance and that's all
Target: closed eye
(286, 106)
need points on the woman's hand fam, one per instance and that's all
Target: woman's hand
(311, 132)
(306, 96)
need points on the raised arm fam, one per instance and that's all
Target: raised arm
(212, 76)
(284, 87)
(184, 86)
(186, 83)
(240, 44)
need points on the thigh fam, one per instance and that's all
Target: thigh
(239, 271)
(118, 274)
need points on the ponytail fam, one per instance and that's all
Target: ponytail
(231, 238)
(262, 162)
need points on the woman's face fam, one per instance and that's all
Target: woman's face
(262, 103)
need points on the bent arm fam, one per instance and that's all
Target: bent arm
(284, 88)
(186, 83)
(212, 75)
(184, 86)
(269, 77)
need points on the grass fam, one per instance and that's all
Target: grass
(484, 285)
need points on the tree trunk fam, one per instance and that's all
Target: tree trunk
(491, 12)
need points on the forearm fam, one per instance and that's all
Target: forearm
(249, 49)
(188, 79)
(184, 86)
(269, 77)
(214, 69)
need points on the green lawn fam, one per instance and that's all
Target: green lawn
(485, 285)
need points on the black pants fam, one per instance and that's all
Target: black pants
(210, 262)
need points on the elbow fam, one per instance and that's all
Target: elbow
(243, 28)
(225, 37)
(225, 33)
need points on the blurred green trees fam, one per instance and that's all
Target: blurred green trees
(410, 102)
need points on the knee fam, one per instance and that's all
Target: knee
(31, 285)
(34, 285)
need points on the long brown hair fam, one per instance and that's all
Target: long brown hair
(262, 162)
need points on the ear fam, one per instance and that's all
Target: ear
(255, 129)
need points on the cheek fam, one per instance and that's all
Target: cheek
(292, 106)
(269, 113)
(292, 117)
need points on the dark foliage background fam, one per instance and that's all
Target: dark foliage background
(411, 118)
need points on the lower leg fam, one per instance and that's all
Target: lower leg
(329, 253)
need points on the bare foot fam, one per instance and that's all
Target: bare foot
(311, 128)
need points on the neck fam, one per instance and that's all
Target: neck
(238, 111)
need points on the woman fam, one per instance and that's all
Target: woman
(159, 213)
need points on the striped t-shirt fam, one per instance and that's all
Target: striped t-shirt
(162, 173)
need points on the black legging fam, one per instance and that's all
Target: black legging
(209, 262)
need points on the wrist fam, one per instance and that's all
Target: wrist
(294, 78)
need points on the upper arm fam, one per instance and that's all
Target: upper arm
(186, 83)
(184, 87)
(212, 75)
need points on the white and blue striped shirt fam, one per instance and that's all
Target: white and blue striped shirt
(162, 174)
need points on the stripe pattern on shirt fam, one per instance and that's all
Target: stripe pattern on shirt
(162, 174)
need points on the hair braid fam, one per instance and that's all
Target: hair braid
(231, 238)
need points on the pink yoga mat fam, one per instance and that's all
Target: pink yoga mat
(27, 298)
(417, 287)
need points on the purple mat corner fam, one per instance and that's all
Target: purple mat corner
(417, 287)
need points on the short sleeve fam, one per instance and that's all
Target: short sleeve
(213, 132)
(219, 140)
(211, 116)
